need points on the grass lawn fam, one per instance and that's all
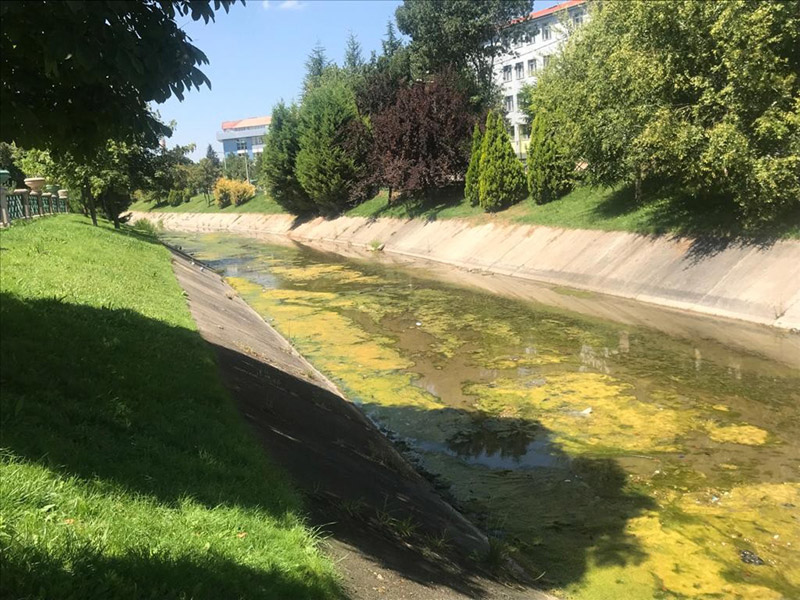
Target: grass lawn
(125, 471)
(609, 209)
(261, 203)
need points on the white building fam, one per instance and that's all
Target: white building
(548, 29)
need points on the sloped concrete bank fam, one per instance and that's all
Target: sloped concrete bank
(759, 283)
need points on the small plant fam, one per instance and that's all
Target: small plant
(175, 198)
(376, 245)
(231, 191)
(405, 528)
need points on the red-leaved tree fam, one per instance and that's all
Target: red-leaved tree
(422, 140)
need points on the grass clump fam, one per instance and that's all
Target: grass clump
(125, 471)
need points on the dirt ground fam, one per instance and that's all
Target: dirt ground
(388, 531)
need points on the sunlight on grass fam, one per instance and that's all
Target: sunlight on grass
(125, 471)
(261, 203)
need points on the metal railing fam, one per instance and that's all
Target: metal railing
(23, 204)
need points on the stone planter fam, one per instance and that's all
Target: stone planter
(62, 194)
(35, 183)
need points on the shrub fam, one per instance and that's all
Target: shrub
(549, 169)
(227, 191)
(502, 179)
(175, 198)
(187, 194)
(472, 185)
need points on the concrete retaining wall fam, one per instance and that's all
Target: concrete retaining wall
(757, 283)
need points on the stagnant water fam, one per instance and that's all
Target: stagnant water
(614, 461)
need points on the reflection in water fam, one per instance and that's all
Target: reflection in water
(623, 463)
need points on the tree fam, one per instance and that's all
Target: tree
(700, 94)
(213, 157)
(550, 170)
(465, 36)
(8, 163)
(502, 178)
(331, 164)
(353, 59)
(278, 161)
(391, 43)
(472, 184)
(94, 80)
(238, 166)
(421, 141)
(316, 64)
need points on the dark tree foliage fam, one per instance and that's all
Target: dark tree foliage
(502, 178)
(391, 42)
(466, 35)
(472, 184)
(78, 73)
(278, 160)
(550, 171)
(7, 162)
(421, 141)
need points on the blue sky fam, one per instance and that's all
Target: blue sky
(257, 56)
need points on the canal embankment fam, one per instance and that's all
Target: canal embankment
(752, 281)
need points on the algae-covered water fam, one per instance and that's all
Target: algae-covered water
(612, 461)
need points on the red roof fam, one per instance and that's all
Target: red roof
(548, 11)
(250, 122)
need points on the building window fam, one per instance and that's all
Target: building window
(532, 67)
(545, 61)
(520, 102)
(507, 73)
(509, 103)
(578, 19)
(258, 140)
(546, 33)
(519, 68)
(241, 145)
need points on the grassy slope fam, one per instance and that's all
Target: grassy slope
(260, 204)
(125, 471)
(607, 209)
(590, 208)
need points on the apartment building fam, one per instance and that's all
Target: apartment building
(544, 31)
(245, 136)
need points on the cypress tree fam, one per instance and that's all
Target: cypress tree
(472, 185)
(549, 174)
(502, 178)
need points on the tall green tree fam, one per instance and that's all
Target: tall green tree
(702, 94)
(391, 43)
(353, 57)
(502, 178)
(332, 164)
(466, 35)
(213, 157)
(472, 185)
(279, 158)
(316, 64)
(550, 169)
(76, 74)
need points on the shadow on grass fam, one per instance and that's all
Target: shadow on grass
(713, 223)
(137, 576)
(131, 405)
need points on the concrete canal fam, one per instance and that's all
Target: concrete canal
(610, 459)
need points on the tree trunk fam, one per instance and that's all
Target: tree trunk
(116, 220)
(637, 187)
(87, 191)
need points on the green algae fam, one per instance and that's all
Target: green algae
(616, 462)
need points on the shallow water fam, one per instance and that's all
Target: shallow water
(612, 460)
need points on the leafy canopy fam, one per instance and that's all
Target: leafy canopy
(76, 74)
